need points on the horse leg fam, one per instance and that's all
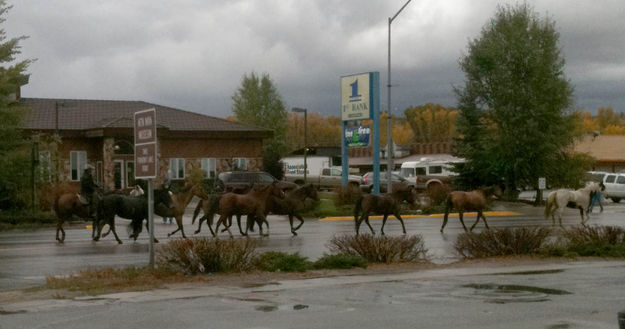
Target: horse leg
(357, 222)
(247, 224)
(369, 224)
(261, 219)
(59, 228)
(301, 222)
(383, 223)
(461, 217)
(147, 228)
(479, 214)
(398, 216)
(222, 219)
(581, 212)
(180, 227)
(112, 228)
(199, 226)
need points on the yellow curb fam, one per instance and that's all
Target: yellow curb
(88, 227)
(487, 213)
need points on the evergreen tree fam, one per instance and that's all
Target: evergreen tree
(257, 102)
(13, 171)
(515, 124)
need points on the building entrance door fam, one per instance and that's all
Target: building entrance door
(118, 174)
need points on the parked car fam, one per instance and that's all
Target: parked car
(614, 186)
(367, 181)
(241, 181)
(325, 178)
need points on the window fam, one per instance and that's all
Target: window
(435, 169)
(176, 168)
(209, 166)
(336, 172)
(407, 172)
(610, 179)
(239, 164)
(98, 172)
(420, 170)
(77, 164)
(325, 172)
(620, 180)
(45, 166)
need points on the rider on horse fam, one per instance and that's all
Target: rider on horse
(87, 189)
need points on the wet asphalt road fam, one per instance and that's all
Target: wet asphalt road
(28, 256)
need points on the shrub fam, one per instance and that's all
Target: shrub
(380, 249)
(207, 255)
(596, 240)
(340, 261)
(502, 242)
(275, 261)
(346, 195)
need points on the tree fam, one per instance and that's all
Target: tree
(13, 173)
(514, 123)
(257, 102)
(432, 122)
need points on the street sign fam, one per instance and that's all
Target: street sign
(145, 144)
(542, 183)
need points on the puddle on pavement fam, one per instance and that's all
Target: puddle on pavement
(507, 293)
(559, 326)
(533, 272)
(266, 308)
(299, 307)
(3, 312)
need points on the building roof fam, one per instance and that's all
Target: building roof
(605, 148)
(84, 114)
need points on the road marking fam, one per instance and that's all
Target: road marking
(453, 215)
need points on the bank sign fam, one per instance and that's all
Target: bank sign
(355, 100)
(358, 136)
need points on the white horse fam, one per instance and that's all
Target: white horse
(579, 199)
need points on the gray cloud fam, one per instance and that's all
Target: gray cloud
(192, 54)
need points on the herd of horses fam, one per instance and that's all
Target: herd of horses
(260, 200)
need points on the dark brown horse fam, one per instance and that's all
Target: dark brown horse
(475, 200)
(252, 203)
(210, 207)
(384, 204)
(291, 206)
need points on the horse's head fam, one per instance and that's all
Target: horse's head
(199, 192)
(494, 190)
(275, 190)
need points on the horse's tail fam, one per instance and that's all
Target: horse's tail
(56, 206)
(357, 207)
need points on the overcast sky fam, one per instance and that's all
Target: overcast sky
(192, 54)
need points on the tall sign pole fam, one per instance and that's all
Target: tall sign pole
(146, 162)
(360, 100)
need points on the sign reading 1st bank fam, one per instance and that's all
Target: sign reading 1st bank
(355, 97)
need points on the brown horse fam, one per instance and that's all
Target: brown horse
(252, 203)
(67, 205)
(180, 201)
(384, 204)
(475, 200)
(291, 206)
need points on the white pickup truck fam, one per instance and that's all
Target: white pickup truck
(326, 178)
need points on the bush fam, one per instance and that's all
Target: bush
(340, 261)
(380, 249)
(595, 241)
(502, 242)
(275, 261)
(205, 255)
(346, 195)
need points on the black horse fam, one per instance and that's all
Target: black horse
(134, 208)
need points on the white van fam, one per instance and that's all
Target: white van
(614, 186)
(426, 172)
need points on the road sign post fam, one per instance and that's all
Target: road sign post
(146, 162)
